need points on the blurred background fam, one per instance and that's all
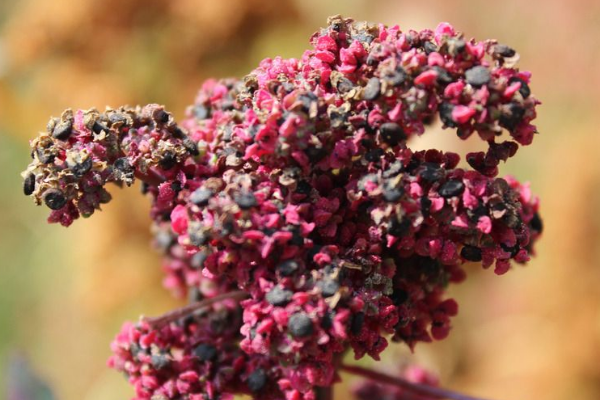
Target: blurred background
(532, 333)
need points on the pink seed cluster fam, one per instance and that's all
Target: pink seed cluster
(297, 187)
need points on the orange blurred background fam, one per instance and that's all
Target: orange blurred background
(533, 333)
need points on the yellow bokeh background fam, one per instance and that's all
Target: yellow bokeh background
(533, 333)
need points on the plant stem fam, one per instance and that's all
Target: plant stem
(183, 312)
(417, 388)
(151, 177)
(324, 392)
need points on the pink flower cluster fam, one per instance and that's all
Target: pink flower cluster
(296, 185)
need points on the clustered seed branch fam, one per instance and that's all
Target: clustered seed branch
(291, 210)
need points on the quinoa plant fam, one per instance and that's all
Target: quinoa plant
(291, 210)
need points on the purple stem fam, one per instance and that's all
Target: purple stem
(417, 388)
(162, 320)
(324, 392)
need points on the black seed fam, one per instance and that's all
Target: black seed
(412, 165)
(372, 89)
(363, 37)
(122, 164)
(191, 146)
(245, 200)
(431, 172)
(269, 231)
(524, 89)
(315, 154)
(201, 196)
(513, 117)
(344, 85)
(478, 76)
(428, 265)
(160, 361)
(278, 296)
(55, 199)
(176, 186)
(443, 76)
(98, 127)
(478, 212)
(327, 320)
(288, 267)
(371, 59)
(124, 171)
(391, 133)
(198, 237)
(536, 223)
(288, 86)
(178, 133)
(51, 124)
(45, 157)
(227, 228)
(425, 205)
(504, 51)
(205, 352)
(460, 45)
(393, 170)
(303, 187)
(471, 253)
(168, 160)
(162, 116)
(257, 380)
(134, 349)
(198, 259)
(82, 168)
(392, 195)
(374, 155)
(365, 142)
(297, 239)
(357, 323)
(300, 325)
(512, 219)
(163, 240)
(451, 189)
(428, 119)
(328, 287)
(116, 118)
(396, 77)
(445, 111)
(194, 294)
(337, 118)
(512, 250)
(63, 130)
(397, 228)
(429, 47)
(29, 184)
(227, 104)
(201, 112)
(399, 296)
(307, 99)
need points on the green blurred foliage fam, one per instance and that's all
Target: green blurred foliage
(533, 333)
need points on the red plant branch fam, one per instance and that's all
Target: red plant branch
(162, 320)
(416, 388)
(324, 393)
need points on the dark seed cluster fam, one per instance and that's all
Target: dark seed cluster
(82, 151)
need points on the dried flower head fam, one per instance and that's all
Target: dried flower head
(295, 189)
